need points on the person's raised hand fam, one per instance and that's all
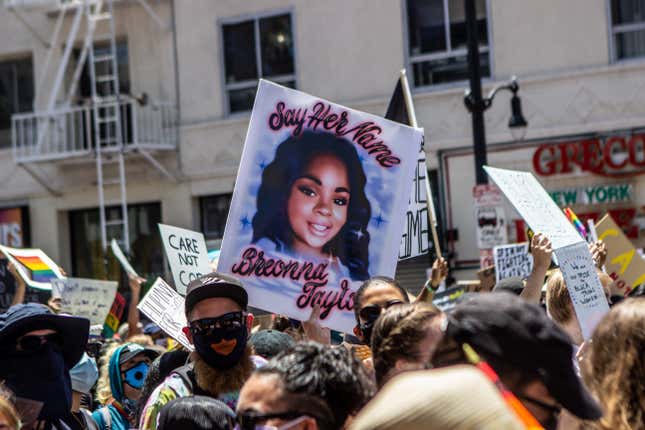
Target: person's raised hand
(313, 330)
(438, 273)
(135, 284)
(541, 251)
(598, 251)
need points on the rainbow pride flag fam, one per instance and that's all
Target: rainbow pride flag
(40, 271)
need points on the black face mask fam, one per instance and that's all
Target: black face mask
(41, 376)
(222, 348)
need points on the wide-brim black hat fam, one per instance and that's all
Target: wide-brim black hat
(23, 318)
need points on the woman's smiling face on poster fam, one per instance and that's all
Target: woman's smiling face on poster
(317, 204)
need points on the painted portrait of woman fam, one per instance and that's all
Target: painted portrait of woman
(312, 203)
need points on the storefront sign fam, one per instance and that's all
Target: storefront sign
(614, 193)
(11, 228)
(614, 156)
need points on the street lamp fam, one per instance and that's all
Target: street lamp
(476, 104)
(516, 122)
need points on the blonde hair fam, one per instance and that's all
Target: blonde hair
(103, 390)
(9, 412)
(558, 300)
(614, 370)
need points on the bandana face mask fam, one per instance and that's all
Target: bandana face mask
(136, 375)
(220, 341)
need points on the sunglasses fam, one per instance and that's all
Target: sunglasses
(249, 420)
(33, 343)
(370, 313)
(553, 409)
(206, 326)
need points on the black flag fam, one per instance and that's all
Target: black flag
(397, 110)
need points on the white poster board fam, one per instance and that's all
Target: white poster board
(583, 284)
(512, 260)
(165, 307)
(319, 204)
(416, 230)
(34, 266)
(489, 217)
(88, 298)
(535, 205)
(187, 255)
(120, 256)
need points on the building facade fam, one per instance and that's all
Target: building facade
(580, 64)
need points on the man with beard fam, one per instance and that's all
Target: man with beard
(218, 327)
(38, 348)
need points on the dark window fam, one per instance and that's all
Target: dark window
(16, 93)
(254, 49)
(437, 40)
(628, 28)
(103, 68)
(214, 211)
(88, 258)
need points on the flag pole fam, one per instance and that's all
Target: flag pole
(413, 122)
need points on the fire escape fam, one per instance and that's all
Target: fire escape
(107, 128)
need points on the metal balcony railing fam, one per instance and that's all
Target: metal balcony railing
(69, 132)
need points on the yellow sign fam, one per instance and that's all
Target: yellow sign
(623, 262)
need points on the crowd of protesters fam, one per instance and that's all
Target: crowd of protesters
(513, 358)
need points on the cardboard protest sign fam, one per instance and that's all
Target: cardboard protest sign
(623, 263)
(319, 200)
(34, 266)
(116, 250)
(583, 284)
(114, 316)
(512, 260)
(165, 308)
(89, 298)
(486, 278)
(535, 205)
(415, 233)
(187, 255)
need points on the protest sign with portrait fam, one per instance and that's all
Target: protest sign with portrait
(319, 204)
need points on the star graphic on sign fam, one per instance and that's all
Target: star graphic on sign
(262, 165)
(245, 222)
(379, 220)
(357, 233)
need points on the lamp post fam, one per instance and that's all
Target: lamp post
(476, 104)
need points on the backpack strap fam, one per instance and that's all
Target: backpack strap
(187, 375)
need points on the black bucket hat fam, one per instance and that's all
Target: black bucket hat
(23, 318)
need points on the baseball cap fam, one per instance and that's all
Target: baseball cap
(23, 318)
(131, 350)
(505, 328)
(215, 285)
(513, 284)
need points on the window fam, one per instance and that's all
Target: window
(103, 68)
(627, 29)
(16, 94)
(257, 48)
(88, 259)
(437, 41)
(214, 211)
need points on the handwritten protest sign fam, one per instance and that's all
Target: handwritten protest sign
(512, 260)
(319, 200)
(415, 233)
(34, 266)
(114, 316)
(89, 298)
(116, 250)
(535, 205)
(165, 307)
(583, 284)
(490, 216)
(623, 263)
(187, 255)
